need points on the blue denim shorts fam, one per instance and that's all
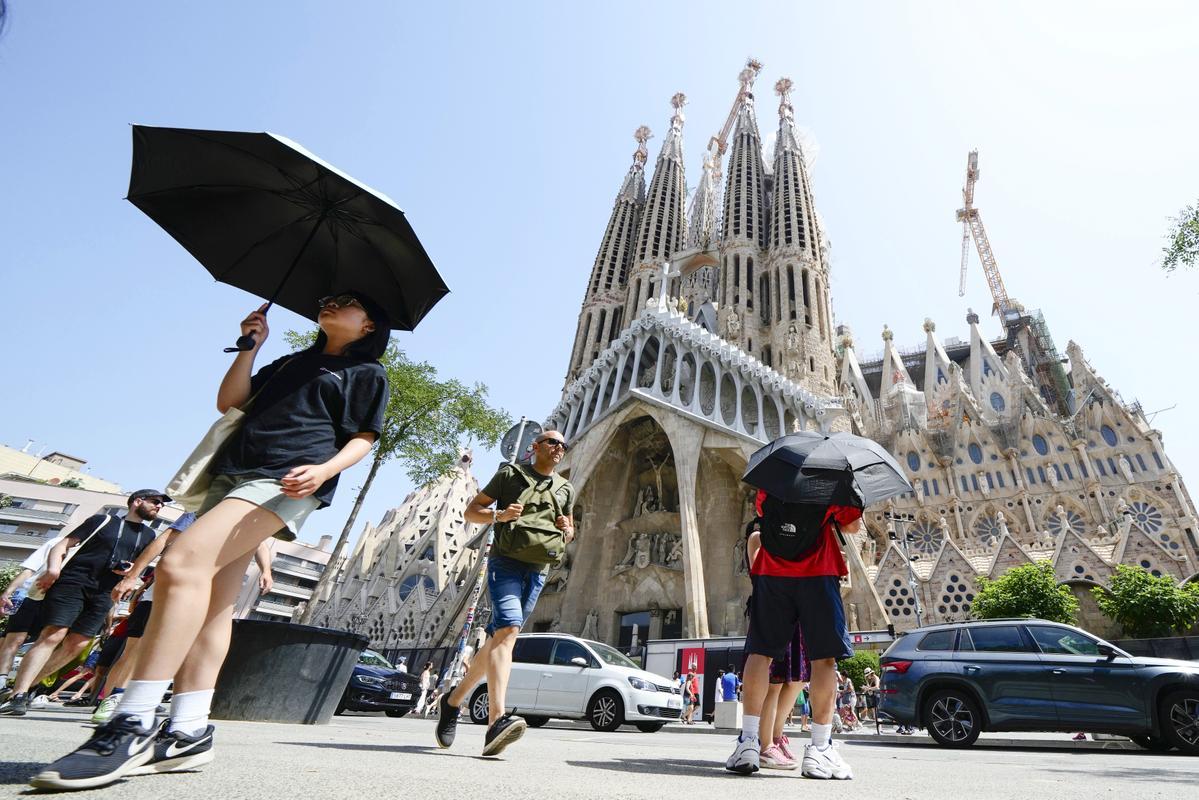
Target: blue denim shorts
(514, 587)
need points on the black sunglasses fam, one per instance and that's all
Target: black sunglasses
(555, 443)
(339, 300)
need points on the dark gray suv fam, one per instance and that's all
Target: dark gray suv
(960, 679)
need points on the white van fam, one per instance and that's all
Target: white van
(556, 675)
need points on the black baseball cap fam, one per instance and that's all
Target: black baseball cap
(146, 494)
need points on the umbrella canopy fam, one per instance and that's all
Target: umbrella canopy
(265, 215)
(834, 469)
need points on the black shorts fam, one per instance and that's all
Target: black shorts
(778, 603)
(26, 619)
(136, 626)
(111, 651)
(82, 609)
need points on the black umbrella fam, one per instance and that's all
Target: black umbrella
(834, 469)
(265, 215)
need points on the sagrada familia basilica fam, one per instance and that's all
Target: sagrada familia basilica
(706, 330)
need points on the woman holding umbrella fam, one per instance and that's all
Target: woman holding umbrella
(313, 415)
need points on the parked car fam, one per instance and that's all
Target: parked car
(376, 685)
(960, 679)
(555, 675)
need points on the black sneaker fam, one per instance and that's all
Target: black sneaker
(447, 721)
(116, 748)
(503, 732)
(16, 706)
(175, 751)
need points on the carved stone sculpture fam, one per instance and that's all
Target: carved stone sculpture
(591, 625)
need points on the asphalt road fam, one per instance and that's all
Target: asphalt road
(376, 757)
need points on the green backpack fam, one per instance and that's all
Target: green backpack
(530, 545)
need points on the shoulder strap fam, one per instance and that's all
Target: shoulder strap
(246, 405)
(71, 554)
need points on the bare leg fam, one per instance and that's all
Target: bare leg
(9, 646)
(36, 658)
(499, 665)
(229, 532)
(822, 691)
(67, 684)
(786, 702)
(755, 683)
(203, 662)
(770, 705)
(476, 673)
(124, 666)
(85, 688)
(68, 651)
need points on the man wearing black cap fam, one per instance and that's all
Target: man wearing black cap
(78, 587)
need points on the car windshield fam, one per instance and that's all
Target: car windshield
(373, 659)
(611, 655)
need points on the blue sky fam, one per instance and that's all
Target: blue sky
(504, 131)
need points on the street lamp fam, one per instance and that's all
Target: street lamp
(904, 538)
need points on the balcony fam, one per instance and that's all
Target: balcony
(295, 569)
(274, 609)
(53, 518)
(291, 590)
(24, 541)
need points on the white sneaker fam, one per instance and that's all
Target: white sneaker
(40, 701)
(745, 759)
(825, 763)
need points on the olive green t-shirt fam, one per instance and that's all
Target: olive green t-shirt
(510, 482)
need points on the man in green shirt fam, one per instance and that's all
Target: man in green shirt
(533, 525)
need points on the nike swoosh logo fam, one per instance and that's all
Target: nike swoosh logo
(139, 743)
(173, 749)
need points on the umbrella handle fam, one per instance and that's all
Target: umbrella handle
(247, 342)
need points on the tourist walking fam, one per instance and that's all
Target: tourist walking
(532, 519)
(691, 699)
(730, 684)
(21, 601)
(313, 414)
(871, 692)
(805, 590)
(77, 586)
(426, 685)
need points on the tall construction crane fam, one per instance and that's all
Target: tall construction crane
(972, 225)
(719, 143)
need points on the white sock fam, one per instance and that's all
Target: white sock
(822, 735)
(189, 712)
(749, 727)
(141, 699)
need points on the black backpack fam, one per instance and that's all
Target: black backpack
(791, 531)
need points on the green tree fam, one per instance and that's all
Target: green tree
(855, 666)
(8, 571)
(1147, 606)
(1030, 590)
(1183, 240)
(426, 421)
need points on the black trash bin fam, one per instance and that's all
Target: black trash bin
(283, 672)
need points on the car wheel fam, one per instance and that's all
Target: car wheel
(478, 706)
(650, 727)
(1154, 743)
(396, 712)
(952, 718)
(536, 722)
(1180, 720)
(606, 711)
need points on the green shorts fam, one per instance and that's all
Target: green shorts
(265, 493)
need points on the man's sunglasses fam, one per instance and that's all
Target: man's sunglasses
(555, 443)
(338, 300)
(154, 501)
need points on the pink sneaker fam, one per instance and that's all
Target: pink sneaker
(784, 746)
(774, 758)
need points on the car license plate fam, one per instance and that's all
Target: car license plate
(674, 702)
(401, 695)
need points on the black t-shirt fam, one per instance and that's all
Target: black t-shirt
(92, 564)
(310, 405)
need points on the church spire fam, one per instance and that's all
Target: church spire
(794, 223)
(600, 320)
(665, 226)
(745, 187)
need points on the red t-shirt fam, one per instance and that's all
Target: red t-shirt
(825, 560)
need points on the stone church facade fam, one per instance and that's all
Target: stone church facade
(707, 331)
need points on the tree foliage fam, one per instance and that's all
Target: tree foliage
(1147, 606)
(855, 666)
(1182, 248)
(1031, 590)
(8, 571)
